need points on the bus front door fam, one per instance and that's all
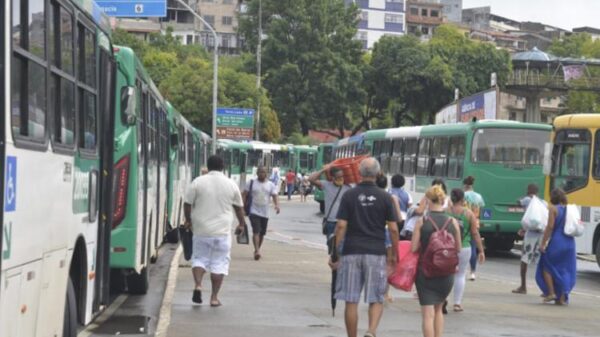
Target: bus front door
(243, 162)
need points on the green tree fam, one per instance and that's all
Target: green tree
(159, 64)
(310, 61)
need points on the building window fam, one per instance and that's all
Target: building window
(210, 19)
(227, 20)
(412, 29)
(424, 12)
(189, 39)
(434, 13)
(393, 18)
(414, 11)
(225, 41)
(512, 116)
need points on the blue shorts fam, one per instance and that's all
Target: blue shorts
(361, 271)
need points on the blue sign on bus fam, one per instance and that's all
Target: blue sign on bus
(134, 8)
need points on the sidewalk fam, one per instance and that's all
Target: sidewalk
(286, 293)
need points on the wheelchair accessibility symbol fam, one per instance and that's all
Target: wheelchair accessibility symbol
(10, 192)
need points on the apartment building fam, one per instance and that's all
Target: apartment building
(379, 18)
(423, 16)
(222, 15)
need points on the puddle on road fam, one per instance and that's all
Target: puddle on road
(124, 325)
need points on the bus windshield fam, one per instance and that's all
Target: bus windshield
(509, 146)
(571, 160)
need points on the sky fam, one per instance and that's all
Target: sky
(566, 14)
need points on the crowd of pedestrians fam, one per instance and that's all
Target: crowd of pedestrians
(363, 224)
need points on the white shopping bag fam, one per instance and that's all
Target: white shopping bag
(536, 215)
(573, 225)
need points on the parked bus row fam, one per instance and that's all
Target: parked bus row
(243, 158)
(503, 156)
(94, 161)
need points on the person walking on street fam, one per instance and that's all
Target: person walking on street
(209, 206)
(362, 217)
(258, 193)
(398, 190)
(557, 270)
(290, 180)
(468, 226)
(433, 291)
(333, 192)
(474, 202)
(531, 242)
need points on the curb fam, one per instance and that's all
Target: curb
(165, 309)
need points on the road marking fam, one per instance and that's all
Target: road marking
(296, 241)
(165, 309)
(114, 306)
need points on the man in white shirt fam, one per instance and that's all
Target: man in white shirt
(258, 193)
(210, 203)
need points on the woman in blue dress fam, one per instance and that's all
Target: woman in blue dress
(557, 268)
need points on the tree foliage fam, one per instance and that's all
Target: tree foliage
(184, 75)
(310, 61)
(579, 45)
(409, 81)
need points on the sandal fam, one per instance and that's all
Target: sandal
(519, 290)
(369, 334)
(549, 298)
(256, 256)
(458, 308)
(216, 303)
(197, 296)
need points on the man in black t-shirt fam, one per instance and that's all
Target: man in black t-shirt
(363, 214)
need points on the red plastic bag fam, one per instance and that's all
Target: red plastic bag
(405, 273)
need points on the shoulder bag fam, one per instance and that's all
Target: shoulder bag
(324, 223)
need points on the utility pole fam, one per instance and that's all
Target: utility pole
(258, 70)
(215, 72)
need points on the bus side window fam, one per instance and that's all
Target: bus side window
(409, 158)
(28, 77)
(439, 157)
(87, 94)
(456, 157)
(423, 157)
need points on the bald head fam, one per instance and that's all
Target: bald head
(369, 168)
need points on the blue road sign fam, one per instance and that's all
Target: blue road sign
(235, 112)
(134, 8)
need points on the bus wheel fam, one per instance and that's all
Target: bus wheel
(137, 284)
(322, 206)
(492, 245)
(70, 316)
(598, 253)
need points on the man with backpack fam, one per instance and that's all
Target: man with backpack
(437, 237)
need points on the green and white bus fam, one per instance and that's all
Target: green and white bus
(140, 167)
(56, 142)
(503, 156)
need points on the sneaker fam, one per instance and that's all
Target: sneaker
(472, 278)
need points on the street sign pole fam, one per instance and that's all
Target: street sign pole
(215, 73)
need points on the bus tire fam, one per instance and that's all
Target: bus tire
(322, 206)
(70, 316)
(137, 284)
(598, 253)
(498, 244)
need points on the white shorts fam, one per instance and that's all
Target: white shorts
(212, 253)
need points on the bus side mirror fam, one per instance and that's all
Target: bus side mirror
(128, 105)
(547, 165)
(174, 139)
